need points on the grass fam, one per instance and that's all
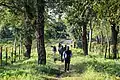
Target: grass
(92, 67)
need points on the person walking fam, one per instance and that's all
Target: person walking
(67, 56)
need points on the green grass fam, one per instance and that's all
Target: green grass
(92, 67)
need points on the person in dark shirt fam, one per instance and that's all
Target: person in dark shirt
(67, 56)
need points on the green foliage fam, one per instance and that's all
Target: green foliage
(108, 9)
(6, 32)
(55, 29)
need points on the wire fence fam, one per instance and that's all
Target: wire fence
(10, 55)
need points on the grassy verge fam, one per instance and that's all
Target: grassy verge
(92, 67)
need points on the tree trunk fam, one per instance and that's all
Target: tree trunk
(28, 44)
(40, 32)
(109, 48)
(108, 44)
(105, 50)
(102, 47)
(90, 36)
(15, 50)
(114, 40)
(28, 38)
(84, 40)
(20, 45)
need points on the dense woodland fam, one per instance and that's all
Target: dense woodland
(92, 25)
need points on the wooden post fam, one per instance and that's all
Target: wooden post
(12, 56)
(15, 55)
(23, 52)
(15, 50)
(6, 55)
(109, 49)
(19, 52)
(20, 46)
(1, 56)
(105, 50)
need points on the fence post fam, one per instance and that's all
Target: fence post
(6, 55)
(19, 52)
(15, 55)
(20, 47)
(15, 50)
(105, 50)
(12, 56)
(23, 50)
(1, 56)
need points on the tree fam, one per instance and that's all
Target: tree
(110, 11)
(28, 26)
(79, 13)
(40, 31)
(22, 8)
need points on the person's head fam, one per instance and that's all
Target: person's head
(62, 46)
(59, 45)
(65, 46)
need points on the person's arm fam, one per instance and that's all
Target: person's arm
(64, 55)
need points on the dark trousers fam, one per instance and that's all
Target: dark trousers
(61, 57)
(67, 65)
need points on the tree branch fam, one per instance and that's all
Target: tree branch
(11, 7)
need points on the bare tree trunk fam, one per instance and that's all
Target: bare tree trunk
(20, 46)
(15, 50)
(84, 40)
(114, 39)
(28, 37)
(109, 48)
(102, 47)
(108, 44)
(28, 44)
(105, 50)
(90, 36)
(40, 32)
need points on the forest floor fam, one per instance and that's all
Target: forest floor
(91, 67)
